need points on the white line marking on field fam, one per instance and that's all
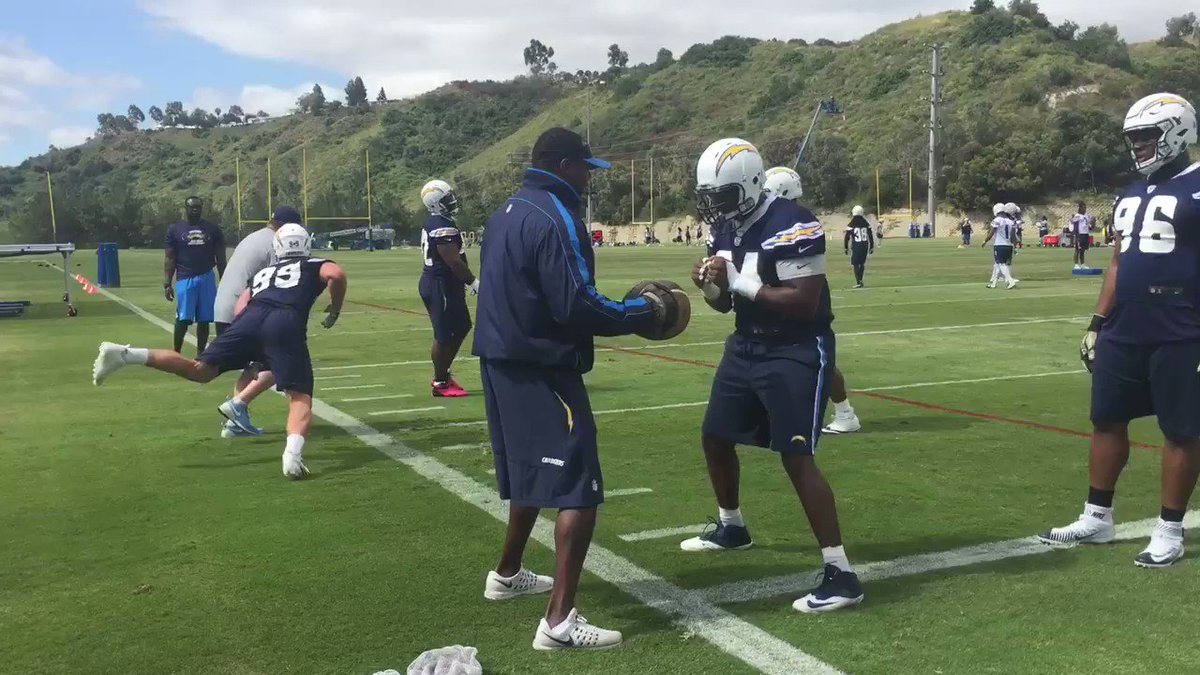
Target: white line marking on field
(464, 446)
(647, 535)
(326, 378)
(976, 380)
(672, 345)
(357, 386)
(740, 639)
(758, 589)
(626, 492)
(406, 410)
(375, 398)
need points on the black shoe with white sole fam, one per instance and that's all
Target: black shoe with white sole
(838, 589)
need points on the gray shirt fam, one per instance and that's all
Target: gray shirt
(252, 254)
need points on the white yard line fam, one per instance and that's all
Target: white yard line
(626, 492)
(406, 410)
(326, 378)
(375, 398)
(973, 381)
(647, 535)
(758, 589)
(735, 636)
(464, 446)
(357, 386)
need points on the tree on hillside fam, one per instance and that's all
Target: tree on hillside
(381, 97)
(1181, 29)
(1030, 10)
(313, 102)
(1103, 44)
(537, 58)
(617, 60)
(356, 93)
(202, 118)
(1066, 30)
(982, 6)
(135, 115)
(174, 114)
(237, 112)
(262, 115)
(156, 114)
(663, 59)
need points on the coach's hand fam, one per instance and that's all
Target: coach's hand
(474, 287)
(169, 291)
(672, 308)
(1087, 348)
(330, 319)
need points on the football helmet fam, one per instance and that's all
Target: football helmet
(439, 198)
(997, 209)
(292, 241)
(1012, 209)
(729, 181)
(1159, 128)
(783, 182)
(856, 211)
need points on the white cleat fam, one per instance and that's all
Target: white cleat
(1013, 283)
(1078, 267)
(293, 466)
(842, 424)
(1087, 529)
(1166, 546)
(576, 634)
(991, 284)
(523, 582)
(110, 359)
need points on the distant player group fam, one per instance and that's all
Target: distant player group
(539, 309)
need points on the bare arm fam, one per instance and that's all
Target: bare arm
(798, 298)
(335, 280)
(1108, 291)
(242, 301)
(453, 260)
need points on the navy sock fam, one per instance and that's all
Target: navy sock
(1101, 498)
(1171, 515)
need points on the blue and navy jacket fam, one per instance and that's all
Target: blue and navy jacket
(538, 301)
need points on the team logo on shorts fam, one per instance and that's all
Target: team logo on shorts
(595, 486)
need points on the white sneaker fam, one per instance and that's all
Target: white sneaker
(293, 465)
(843, 424)
(523, 582)
(1013, 283)
(1166, 546)
(574, 633)
(110, 359)
(991, 284)
(1089, 528)
(1078, 267)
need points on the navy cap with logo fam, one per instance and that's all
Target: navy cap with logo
(287, 214)
(559, 144)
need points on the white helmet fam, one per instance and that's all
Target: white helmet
(783, 181)
(729, 180)
(1012, 209)
(856, 211)
(997, 209)
(292, 241)
(439, 198)
(1162, 123)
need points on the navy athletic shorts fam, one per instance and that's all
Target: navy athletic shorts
(771, 396)
(446, 302)
(543, 436)
(1002, 255)
(858, 254)
(1132, 380)
(273, 335)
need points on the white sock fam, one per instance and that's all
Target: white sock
(1168, 528)
(836, 556)
(237, 400)
(731, 517)
(563, 627)
(843, 408)
(1007, 272)
(995, 271)
(294, 445)
(1104, 513)
(136, 355)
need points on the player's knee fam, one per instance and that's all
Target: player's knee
(203, 372)
(1110, 429)
(714, 445)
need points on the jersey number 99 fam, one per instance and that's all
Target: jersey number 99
(1156, 233)
(283, 276)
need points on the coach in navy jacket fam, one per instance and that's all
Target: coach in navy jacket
(538, 312)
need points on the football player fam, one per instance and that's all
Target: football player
(445, 281)
(1002, 250)
(858, 235)
(784, 182)
(270, 326)
(1143, 343)
(1081, 227)
(766, 263)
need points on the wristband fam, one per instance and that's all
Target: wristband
(711, 291)
(745, 285)
(1096, 323)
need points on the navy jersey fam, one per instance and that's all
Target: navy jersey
(439, 230)
(195, 247)
(1158, 281)
(294, 283)
(859, 234)
(779, 241)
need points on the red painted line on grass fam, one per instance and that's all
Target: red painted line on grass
(660, 357)
(391, 309)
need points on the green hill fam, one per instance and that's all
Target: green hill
(1032, 112)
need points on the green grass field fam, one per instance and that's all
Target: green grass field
(134, 540)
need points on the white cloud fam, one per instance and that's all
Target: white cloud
(255, 97)
(410, 47)
(65, 137)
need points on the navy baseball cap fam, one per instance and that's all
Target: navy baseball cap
(559, 143)
(287, 214)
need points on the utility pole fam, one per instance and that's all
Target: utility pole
(935, 100)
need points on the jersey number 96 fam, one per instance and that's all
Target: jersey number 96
(1156, 233)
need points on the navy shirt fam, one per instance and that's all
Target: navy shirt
(439, 230)
(1158, 278)
(195, 247)
(292, 283)
(859, 233)
(538, 301)
(780, 236)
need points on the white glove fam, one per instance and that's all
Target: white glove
(746, 285)
(474, 287)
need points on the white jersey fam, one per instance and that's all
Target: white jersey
(1002, 229)
(252, 254)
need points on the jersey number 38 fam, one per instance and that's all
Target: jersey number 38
(282, 276)
(1156, 233)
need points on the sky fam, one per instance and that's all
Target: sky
(64, 61)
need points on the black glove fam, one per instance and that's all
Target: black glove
(672, 308)
(330, 319)
(1087, 348)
